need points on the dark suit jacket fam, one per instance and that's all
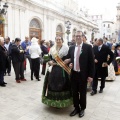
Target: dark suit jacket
(86, 61)
(114, 61)
(109, 45)
(9, 49)
(102, 57)
(44, 50)
(16, 55)
(3, 56)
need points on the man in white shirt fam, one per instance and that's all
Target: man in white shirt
(82, 63)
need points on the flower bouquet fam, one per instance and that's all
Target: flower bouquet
(46, 58)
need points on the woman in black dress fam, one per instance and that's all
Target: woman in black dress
(57, 86)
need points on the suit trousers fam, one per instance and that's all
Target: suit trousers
(19, 70)
(79, 88)
(1, 77)
(35, 67)
(8, 67)
(95, 82)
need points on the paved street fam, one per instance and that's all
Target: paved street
(23, 102)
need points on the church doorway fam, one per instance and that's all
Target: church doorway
(35, 29)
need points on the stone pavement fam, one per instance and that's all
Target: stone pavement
(23, 102)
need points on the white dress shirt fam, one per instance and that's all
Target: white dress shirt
(100, 47)
(7, 46)
(75, 52)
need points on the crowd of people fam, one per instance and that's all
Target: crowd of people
(17, 53)
(69, 70)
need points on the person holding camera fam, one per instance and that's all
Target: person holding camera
(18, 58)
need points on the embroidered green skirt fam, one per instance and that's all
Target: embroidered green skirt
(57, 89)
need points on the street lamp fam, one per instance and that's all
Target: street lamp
(3, 10)
(68, 26)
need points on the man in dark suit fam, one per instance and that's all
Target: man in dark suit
(18, 57)
(81, 61)
(8, 46)
(101, 53)
(3, 55)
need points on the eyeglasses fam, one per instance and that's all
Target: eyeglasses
(58, 39)
(78, 36)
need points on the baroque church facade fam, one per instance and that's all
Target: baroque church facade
(45, 19)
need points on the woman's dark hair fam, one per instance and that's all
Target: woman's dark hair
(60, 37)
(42, 41)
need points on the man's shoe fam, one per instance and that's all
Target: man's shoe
(74, 112)
(93, 93)
(81, 113)
(101, 91)
(4, 83)
(23, 79)
(18, 81)
(38, 79)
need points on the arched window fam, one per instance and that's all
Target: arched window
(35, 29)
(34, 23)
(59, 28)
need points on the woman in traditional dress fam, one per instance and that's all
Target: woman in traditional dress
(117, 59)
(57, 86)
(111, 71)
